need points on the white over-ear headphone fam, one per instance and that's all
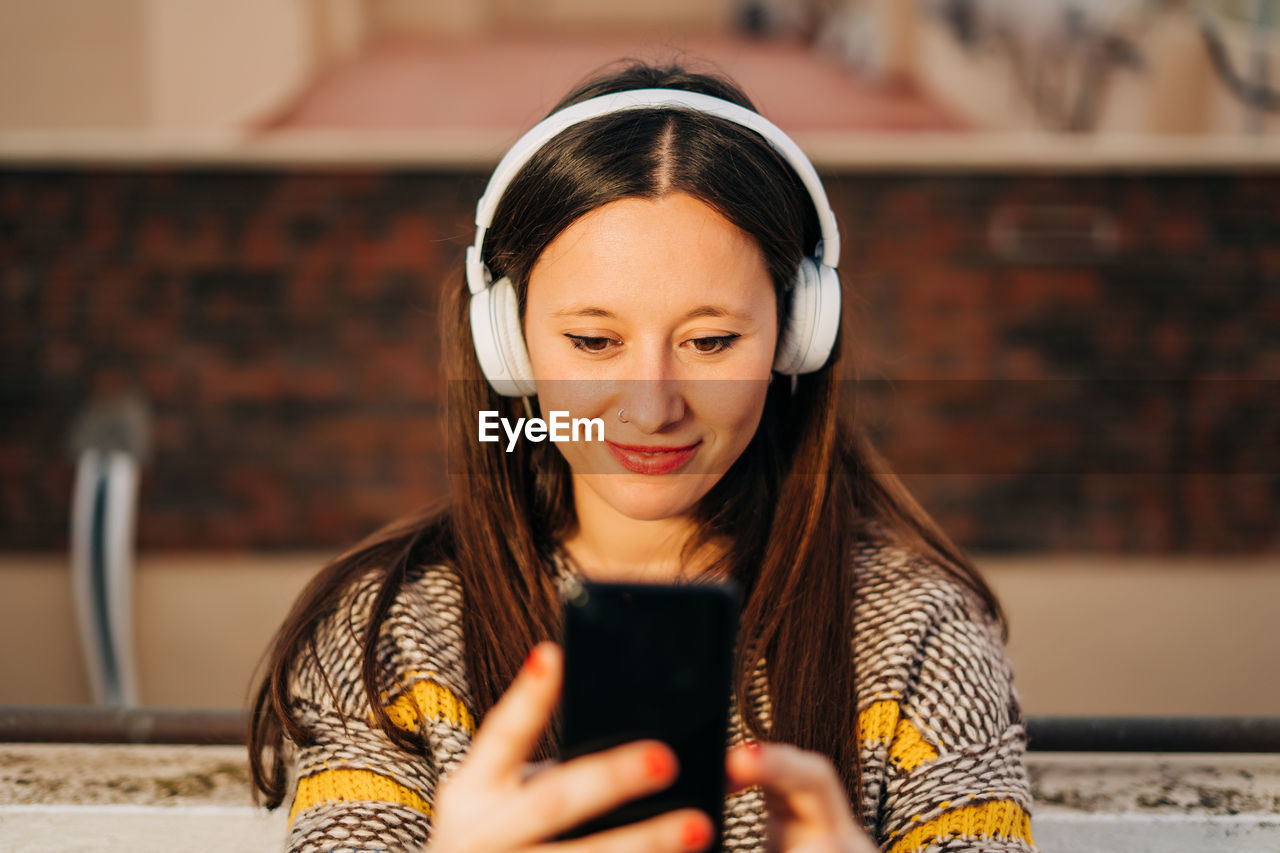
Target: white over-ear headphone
(805, 344)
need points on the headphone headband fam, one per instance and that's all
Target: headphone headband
(478, 276)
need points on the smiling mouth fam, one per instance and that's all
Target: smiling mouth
(641, 460)
(648, 450)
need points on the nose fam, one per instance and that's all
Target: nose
(649, 405)
(653, 395)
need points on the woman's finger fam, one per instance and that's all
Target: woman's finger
(532, 768)
(563, 796)
(511, 729)
(673, 832)
(805, 781)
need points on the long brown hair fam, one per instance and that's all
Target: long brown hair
(790, 507)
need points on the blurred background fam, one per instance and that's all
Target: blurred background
(224, 229)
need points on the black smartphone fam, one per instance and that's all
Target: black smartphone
(651, 661)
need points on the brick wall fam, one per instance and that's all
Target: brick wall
(1058, 362)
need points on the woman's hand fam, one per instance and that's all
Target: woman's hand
(808, 807)
(492, 803)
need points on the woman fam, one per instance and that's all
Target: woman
(653, 266)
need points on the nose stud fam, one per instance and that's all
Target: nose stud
(621, 418)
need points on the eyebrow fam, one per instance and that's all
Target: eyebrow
(596, 311)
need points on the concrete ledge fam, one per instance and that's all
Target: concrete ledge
(1155, 802)
(82, 797)
(140, 829)
(1107, 833)
(71, 797)
(1185, 784)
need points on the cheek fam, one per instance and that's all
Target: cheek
(734, 408)
(579, 397)
(732, 400)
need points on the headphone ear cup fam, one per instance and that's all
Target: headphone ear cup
(499, 342)
(807, 341)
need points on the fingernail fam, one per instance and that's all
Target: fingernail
(534, 662)
(658, 763)
(753, 748)
(696, 833)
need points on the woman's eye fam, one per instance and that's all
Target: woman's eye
(704, 346)
(587, 344)
(718, 344)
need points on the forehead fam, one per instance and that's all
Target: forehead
(674, 253)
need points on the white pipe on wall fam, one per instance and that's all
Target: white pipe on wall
(102, 531)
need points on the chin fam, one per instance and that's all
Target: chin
(660, 498)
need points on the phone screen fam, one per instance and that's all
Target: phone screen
(651, 661)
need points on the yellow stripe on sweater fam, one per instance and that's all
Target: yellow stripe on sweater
(910, 749)
(994, 819)
(882, 722)
(346, 786)
(876, 724)
(429, 701)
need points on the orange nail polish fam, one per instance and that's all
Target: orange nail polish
(534, 662)
(658, 763)
(753, 748)
(696, 833)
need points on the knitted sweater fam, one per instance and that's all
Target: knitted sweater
(942, 738)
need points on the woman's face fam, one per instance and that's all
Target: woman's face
(664, 309)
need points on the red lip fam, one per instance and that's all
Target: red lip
(641, 448)
(666, 462)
